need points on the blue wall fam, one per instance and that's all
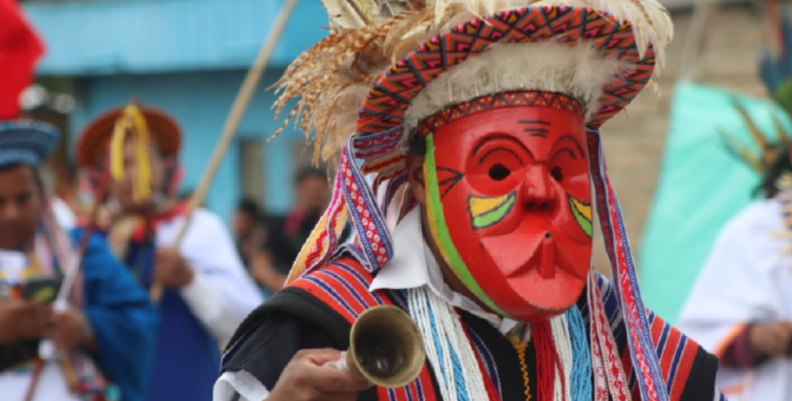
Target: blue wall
(201, 102)
(188, 57)
(114, 36)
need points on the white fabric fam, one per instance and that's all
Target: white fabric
(437, 319)
(14, 383)
(563, 343)
(242, 383)
(12, 265)
(63, 213)
(413, 265)
(52, 384)
(747, 279)
(222, 294)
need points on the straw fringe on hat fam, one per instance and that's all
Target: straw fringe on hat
(334, 79)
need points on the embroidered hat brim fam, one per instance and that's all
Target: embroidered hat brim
(389, 100)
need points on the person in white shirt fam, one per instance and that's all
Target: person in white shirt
(740, 308)
(132, 155)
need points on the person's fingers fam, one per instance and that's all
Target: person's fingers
(776, 338)
(785, 324)
(319, 356)
(339, 397)
(308, 393)
(770, 339)
(324, 378)
(785, 333)
(334, 381)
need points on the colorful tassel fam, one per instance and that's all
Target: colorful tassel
(132, 122)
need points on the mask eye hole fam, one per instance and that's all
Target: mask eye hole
(557, 174)
(499, 172)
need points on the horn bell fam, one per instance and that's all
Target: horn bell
(385, 347)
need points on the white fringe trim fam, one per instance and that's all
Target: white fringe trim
(447, 328)
(563, 343)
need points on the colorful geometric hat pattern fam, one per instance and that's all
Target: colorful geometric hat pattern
(390, 98)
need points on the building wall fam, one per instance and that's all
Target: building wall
(201, 98)
(200, 101)
(634, 140)
(188, 57)
(91, 37)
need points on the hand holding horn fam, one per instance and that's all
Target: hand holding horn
(386, 349)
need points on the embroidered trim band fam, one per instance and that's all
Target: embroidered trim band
(505, 99)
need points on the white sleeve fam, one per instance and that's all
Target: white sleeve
(211, 307)
(63, 214)
(222, 293)
(242, 383)
(736, 285)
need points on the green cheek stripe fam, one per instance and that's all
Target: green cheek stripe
(489, 211)
(579, 211)
(439, 229)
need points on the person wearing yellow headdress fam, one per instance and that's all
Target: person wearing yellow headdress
(74, 325)
(131, 156)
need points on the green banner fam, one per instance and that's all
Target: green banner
(701, 187)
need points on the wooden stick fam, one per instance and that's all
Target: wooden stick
(38, 368)
(695, 38)
(778, 25)
(47, 346)
(241, 103)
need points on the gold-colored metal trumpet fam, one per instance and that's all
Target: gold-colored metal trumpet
(385, 347)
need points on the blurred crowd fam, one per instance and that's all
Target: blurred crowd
(267, 243)
(132, 290)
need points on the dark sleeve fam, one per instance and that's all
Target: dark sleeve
(740, 353)
(277, 244)
(700, 384)
(122, 318)
(268, 349)
(288, 322)
(17, 353)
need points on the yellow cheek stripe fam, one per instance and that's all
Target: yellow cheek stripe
(487, 211)
(479, 206)
(582, 208)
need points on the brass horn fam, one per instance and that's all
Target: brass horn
(385, 347)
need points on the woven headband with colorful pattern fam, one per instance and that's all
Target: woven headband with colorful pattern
(505, 99)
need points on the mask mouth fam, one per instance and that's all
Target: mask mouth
(542, 256)
(546, 296)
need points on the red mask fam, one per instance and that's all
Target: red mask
(509, 200)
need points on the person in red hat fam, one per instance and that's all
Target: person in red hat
(131, 155)
(487, 113)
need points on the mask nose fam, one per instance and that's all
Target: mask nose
(539, 192)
